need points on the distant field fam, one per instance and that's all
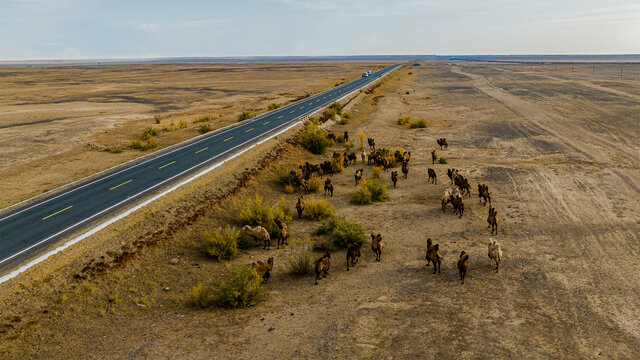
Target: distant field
(56, 122)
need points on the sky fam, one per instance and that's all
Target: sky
(100, 29)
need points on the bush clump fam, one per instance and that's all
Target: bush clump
(378, 191)
(314, 184)
(344, 232)
(241, 288)
(362, 196)
(369, 192)
(317, 209)
(361, 137)
(314, 139)
(252, 212)
(299, 257)
(418, 124)
(328, 114)
(404, 120)
(245, 115)
(337, 107)
(222, 243)
(442, 161)
(337, 164)
(148, 133)
(377, 171)
(272, 106)
(204, 128)
(183, 124)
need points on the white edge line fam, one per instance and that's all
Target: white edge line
(143, 159)
(123, 201)
(94, 230)
(71, 242)
(161, 153)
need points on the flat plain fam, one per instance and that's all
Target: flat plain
(60, 124)
(559, 149)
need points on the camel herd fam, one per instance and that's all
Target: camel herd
(385, 159)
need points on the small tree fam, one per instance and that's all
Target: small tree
(314, 139)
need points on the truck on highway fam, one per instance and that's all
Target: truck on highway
(366, 73)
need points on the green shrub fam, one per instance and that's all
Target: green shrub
(348, 145)
(272, 106)
(315, 184)
(241, 288)
(314, 120)
(328, 114)
(151, 144)
(369, 192)
(337, 107)
(285, 177)
(183, 124)
(317, 208)
(299, 256)
(442, 161)
(252, 212)
(204, 128)
(148, 133)
(362, 196)
(418, 124)
(377, 171)
(346, 115)
(343, 121)
(222, 244)
(340, 139)
(404, 120)
(245, 241)
(201, 295)
(337, 164)
(344, 232)
(157, 118)
(136, 144)
(324, 245)
(314, 139)
(245, 115)
(378, 191)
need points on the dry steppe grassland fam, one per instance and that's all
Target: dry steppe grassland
(558, 148)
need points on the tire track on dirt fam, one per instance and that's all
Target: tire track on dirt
(538, 117)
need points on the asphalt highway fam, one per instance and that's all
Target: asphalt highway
(25, 230)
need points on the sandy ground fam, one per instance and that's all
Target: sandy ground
(55, 122)
(559, 150)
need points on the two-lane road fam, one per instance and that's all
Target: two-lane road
(26, 229)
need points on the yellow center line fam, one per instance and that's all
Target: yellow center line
(228, 139)
(302, 107)
(201, 150)
(58, 212)
(265, 123)
(173, 162)
(280, 117)
(291, 112)
(126, 182)
(249, 130)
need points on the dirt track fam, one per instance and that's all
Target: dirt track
(562, 160)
